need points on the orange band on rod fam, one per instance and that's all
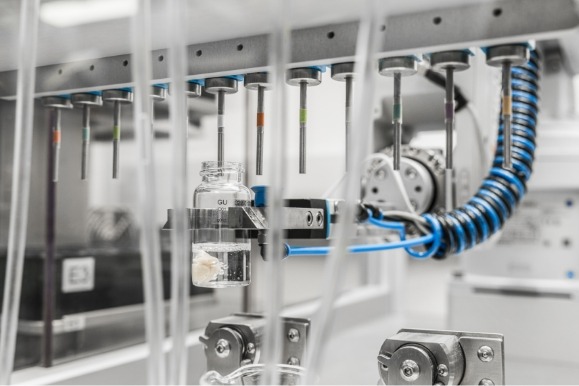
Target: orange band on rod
(507, 106)
(56, 136)
(260, 119)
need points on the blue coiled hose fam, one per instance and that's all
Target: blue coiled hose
(501, 191)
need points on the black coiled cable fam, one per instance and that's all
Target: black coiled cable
(501, 191)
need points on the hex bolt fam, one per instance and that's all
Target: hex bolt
(293, 335)
(222, 348)
(485, 354)
(250, 348)
(293, 361)
(442, 370)
(409, 370)
(486, 382)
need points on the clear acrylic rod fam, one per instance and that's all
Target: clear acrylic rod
(26, 78)
(147, 198)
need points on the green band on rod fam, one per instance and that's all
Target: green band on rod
(85, 134)
(397, 112)
(303, 115)
(116, 132)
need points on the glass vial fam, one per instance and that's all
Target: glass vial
(221, 256)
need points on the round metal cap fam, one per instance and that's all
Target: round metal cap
(193, 90)
(409, 364)
(295, 76)
(405, 65)
(224, 348)
(457, 60)
(87, 99)
(516, 54)
(57, 102)
(254, 80)
(341, 71)
(123, 96)
(158, 93)
(227, 85)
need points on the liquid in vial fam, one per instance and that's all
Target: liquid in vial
(220, 265)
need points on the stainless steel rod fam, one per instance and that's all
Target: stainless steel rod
(56, 137)
(449, 122)
(348, 117)
(85, 141)
(507, 115)
(449, 116)
(303, 122)
(397, 120)
(220, 126)
(260, 127)
(116, 137)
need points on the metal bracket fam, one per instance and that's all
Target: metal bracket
(480, 24)
(236, 341)
(252, 218)
(442, 357)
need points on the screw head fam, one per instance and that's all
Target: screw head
(411, 173)
(442, 370)
(222, 348)
(414, 204)
(293, 335)
(380, 174)
(293, 361)
(250, 348)
(486, 382)
(409, 370)
(485, 354)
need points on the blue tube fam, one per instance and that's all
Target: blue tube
(309, 251)
(437, 234)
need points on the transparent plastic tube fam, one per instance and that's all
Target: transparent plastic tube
(369, 37)
(180, 241)
(147, 202)
(26, 77)
(279, 51)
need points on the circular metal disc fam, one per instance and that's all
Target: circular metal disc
(416, 354)
(227, 85)
(457, 60)
(158, 93)
(405, 65)
(87, 99)
(56, 101)
(341, 71)
(295, 76)
(225, 364)
(254, 80)
(516, 54)
(124, 96)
